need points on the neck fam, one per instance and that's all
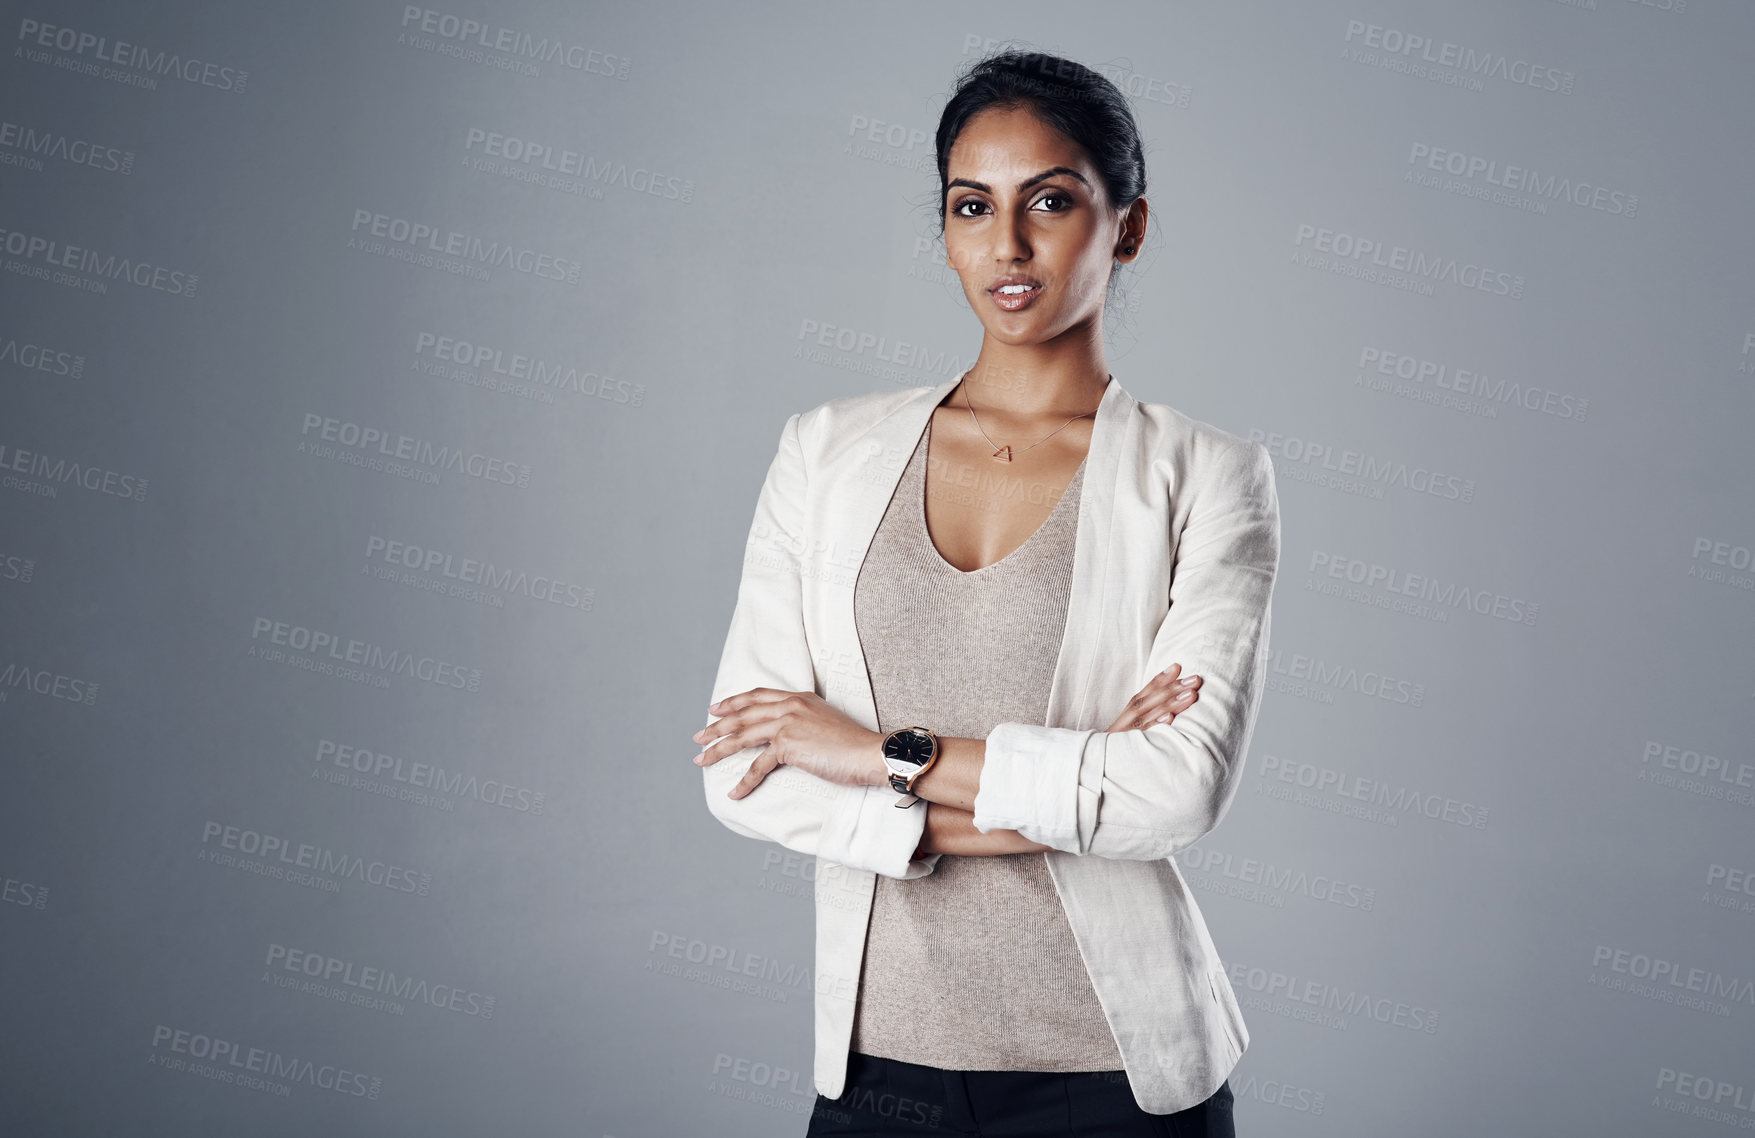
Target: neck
(1024, 383)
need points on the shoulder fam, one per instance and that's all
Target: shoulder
(1197, 447)
(831, 426)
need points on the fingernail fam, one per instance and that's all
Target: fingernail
(700, 758)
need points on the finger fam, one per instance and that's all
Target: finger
(1167, 684)
(745, 698)
(1170, 713)
(1167, 679)
(717, 729)
(1179, 691)
(733, 743)
(756, 723)
(752, 778)
(755, 706)
(1174, 704)
(1162, 680)
(1149, 704)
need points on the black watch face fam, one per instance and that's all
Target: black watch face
(909, 747)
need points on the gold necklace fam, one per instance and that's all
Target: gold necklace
(1004, 453)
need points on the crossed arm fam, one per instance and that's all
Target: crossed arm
(953, 780)
(950, 784)
(1142, 789)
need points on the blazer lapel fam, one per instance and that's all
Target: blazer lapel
(1096, 568)
(864, 493)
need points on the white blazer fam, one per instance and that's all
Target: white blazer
(1174, 561)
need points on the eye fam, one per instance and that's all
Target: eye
(1056, 197)
(958, 208)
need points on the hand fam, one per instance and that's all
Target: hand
(801, 730)
(1162, 699)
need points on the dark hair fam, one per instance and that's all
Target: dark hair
(1068, 96)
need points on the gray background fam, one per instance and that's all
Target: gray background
(577, 948)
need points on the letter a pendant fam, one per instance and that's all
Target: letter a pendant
(1004, 452)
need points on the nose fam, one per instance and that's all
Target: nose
(1010, 244)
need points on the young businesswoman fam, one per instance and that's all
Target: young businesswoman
(962, 673)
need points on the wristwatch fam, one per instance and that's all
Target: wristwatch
(908, 752)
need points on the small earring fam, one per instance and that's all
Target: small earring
(1127, 249)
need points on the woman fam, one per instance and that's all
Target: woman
(914, 675)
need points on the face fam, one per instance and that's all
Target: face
(1026, 206)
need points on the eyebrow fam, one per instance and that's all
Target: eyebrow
(1023, 185)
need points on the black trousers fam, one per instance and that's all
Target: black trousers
(889, 1097)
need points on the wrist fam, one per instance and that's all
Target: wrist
(907, 755)
(877, 772)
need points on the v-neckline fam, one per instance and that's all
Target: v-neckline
(925, 448)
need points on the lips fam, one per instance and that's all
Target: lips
(1022, 290)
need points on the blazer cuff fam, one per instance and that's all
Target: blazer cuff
(1030, 783)
(879, 836)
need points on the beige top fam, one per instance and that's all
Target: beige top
(974, 966)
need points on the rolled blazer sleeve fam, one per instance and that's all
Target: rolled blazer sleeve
(1148, 793)
(856, 826)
